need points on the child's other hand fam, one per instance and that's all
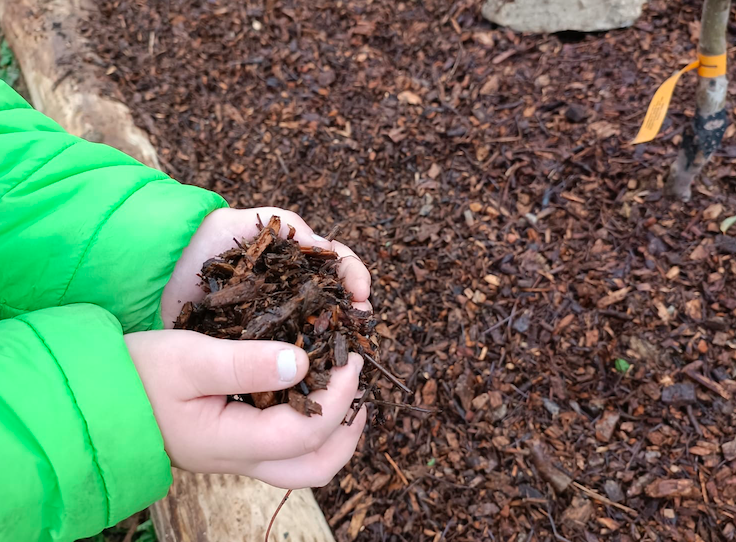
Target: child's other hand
(187, 377)
(216, 235)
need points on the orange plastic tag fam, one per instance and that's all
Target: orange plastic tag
(708, 66)
(712, 66)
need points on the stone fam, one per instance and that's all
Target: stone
(729, 450)
(679, 394)
(548, 16)
(552, 407)
(613, 490)
(576, 113)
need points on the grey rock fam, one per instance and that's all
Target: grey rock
(576, 113)
(679, 394)
(613, 490)
(548, 16)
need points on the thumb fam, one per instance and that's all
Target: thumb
(226, 367)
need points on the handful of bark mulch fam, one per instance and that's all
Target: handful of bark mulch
(273, 288)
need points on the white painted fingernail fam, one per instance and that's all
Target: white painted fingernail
(286, 362)
(318, 238)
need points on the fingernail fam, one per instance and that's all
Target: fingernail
(318, 238)
(359, 365)
(286, 362)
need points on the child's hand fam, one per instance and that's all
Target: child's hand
(216, 235)
(187, 377)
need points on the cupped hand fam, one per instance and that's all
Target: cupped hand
(215, 235)
(187, 377)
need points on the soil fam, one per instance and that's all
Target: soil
(575, 328)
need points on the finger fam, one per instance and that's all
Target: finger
(225, 367)
(315, 469)
(280, 432)
(353, 271)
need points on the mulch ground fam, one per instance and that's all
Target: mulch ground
(575, 328)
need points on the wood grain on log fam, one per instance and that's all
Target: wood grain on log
(216, 508)
(62, 77)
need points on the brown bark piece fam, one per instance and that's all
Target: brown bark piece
(578, 513)
(264, 399)
(186, 312)
(340, 349)
(322, 322)
(347, 507)
(215, 266)
(542, 461)
(241, 291)
(260, 243)
(692, 371)
(316, 380)
(429, 392)
(358, 517)
(666, 489)
(317, 252)
(613, 298)
(265, 323)
(465, 390)
(303, 404)
(605, 427)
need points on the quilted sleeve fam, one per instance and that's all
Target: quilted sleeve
(83, 222)
(79, 444)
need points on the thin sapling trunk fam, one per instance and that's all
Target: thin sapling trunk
(702, 137)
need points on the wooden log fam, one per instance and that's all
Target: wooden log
(65, 84)
(64, 76)
(214, 508)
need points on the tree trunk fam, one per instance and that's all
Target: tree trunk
(704, 135)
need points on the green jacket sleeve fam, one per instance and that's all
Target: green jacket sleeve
(83, 222)
(79, 444)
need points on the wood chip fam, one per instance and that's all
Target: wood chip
(605, 427)
(542, 461)
(666, 489)
(613, 298)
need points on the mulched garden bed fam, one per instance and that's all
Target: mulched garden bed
(575, 329)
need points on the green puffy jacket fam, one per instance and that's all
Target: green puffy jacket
(88, 239)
